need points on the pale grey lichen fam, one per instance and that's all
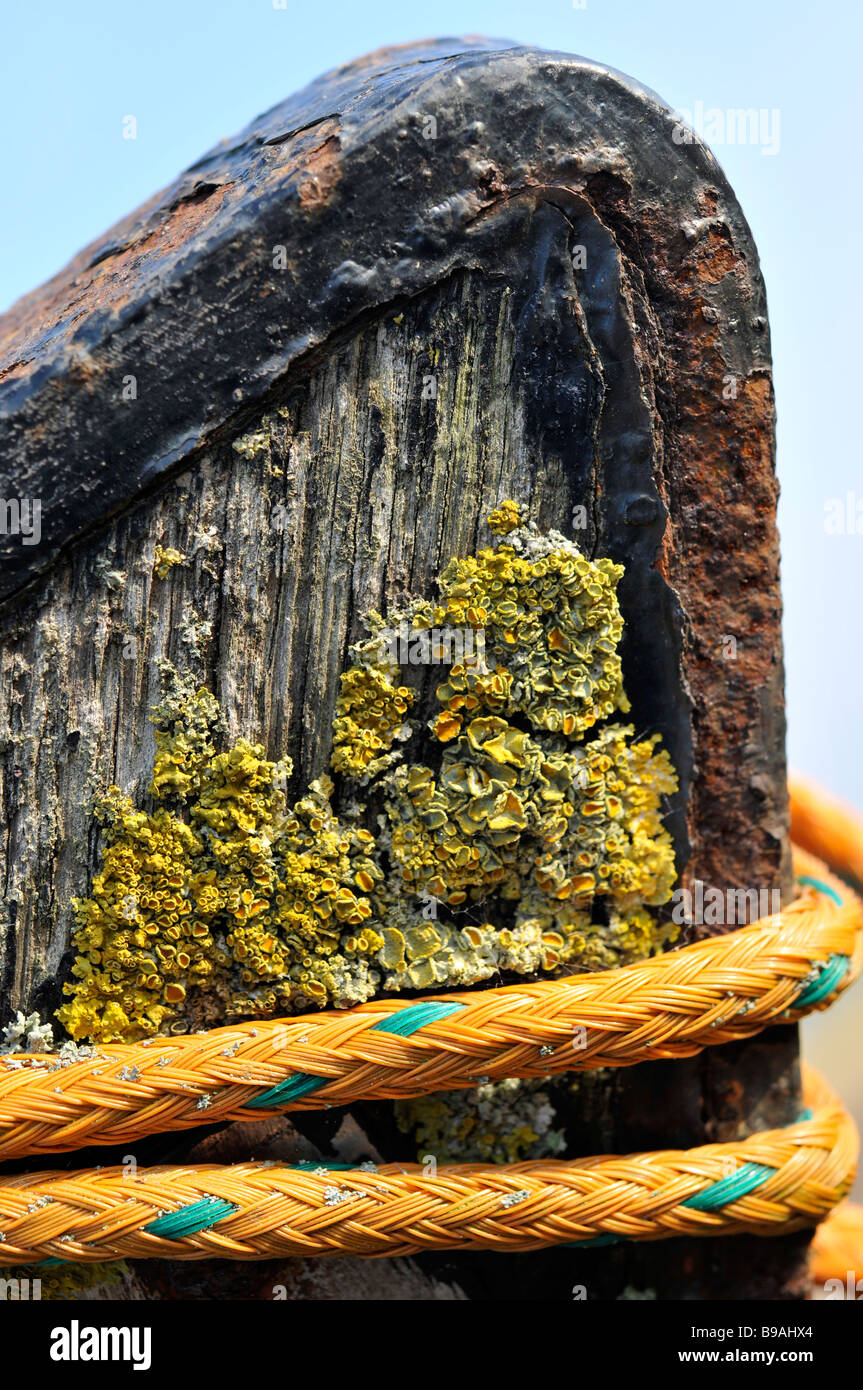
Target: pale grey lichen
(27, 1034)
(498, 1122)
(512, 1199)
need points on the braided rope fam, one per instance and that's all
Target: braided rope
(837, 1246)
(771, 1183)
(827, 828)
(711, 992)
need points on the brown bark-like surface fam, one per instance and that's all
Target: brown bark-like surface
(317, 440)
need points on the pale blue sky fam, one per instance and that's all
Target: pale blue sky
(192, 72)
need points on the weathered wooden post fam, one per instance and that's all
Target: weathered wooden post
(284, 393)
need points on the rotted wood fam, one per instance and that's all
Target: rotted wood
(240, 371)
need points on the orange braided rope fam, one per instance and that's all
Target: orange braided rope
(837, 1245)
(827, 828)
(832, 830)
(274, 1210)
(710, 992)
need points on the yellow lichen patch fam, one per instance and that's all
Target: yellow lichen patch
(370, 713)
(545, 828)
(246, 905)
(551, 621)
(66, 1283)
(467, 690)
(505, 518)
(165, 559)
(516, 830)
(140, 902)
(188, 723)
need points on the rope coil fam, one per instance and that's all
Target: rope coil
(711, 992)
(781, 1180)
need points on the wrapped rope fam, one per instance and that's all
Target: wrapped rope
(713, 991)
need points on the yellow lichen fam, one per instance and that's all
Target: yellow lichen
(165, 559)
(64, 1283)
(370, 713)
(516, 830)
(551, 623)
(505, 518)
(241, 909)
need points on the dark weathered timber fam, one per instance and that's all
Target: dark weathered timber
(638, 387)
